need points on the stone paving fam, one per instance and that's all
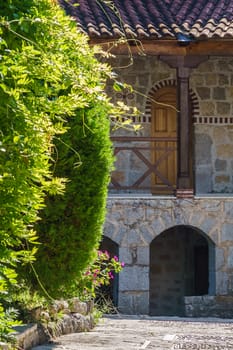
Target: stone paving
(120, 332)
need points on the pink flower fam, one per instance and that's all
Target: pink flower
(107, 254)
(115, 258)
(110, 275)
(122, 264)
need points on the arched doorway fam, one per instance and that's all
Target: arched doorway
(181, 264)
(110, 293)
(164, 129)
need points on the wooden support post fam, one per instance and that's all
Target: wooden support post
(184, 176)
(183, 65)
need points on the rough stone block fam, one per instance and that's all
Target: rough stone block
(207, 66)
(207, 108)
(222, 179)
(230, 255)
(203, 92)
(211, 79)
(221, 283)
(148, 232)
(149, 213)
(134, 278)
(130, 79)
(139, 64)
(210, 205)
(197, 79)
(220, 165)
(220, 261)
(203, 149)
(28, 336)
(125, 255)
(208, 300)
(132, 304)
(208, 224)
(223, 79)
(228, 206)
(133, 215)
(220, 135)
(134, 237)
(109, 229)
(143, 79)
(121, 237)
(219, 93)
(223, 108)
(224, 151)
(225, 65)
(143, 256)
(76, 306)
(227, 232)
(204, 180)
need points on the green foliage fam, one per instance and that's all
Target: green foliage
(71, 225)
(54, 135)
(100, 273)
(7, 321)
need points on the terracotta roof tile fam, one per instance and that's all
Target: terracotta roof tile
(152, 18)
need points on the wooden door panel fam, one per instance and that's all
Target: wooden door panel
(164, 155)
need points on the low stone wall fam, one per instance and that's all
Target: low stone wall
(209, 306)
(77, 318)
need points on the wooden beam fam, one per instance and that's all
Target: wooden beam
(166, 47)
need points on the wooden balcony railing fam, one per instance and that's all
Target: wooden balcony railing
(142, 165)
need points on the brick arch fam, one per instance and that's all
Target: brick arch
(167, 83)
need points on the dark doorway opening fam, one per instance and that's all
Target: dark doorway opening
(109, 294)
(201, 272)
(179, 266)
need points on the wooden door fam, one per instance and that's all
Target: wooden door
(164, 152)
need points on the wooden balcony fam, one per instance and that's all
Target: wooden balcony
(144, 165)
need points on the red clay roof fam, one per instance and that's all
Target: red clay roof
(148, 19)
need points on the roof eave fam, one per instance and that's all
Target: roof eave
(166, 46)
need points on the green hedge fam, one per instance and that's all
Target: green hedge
(71, 225)
(54, 125)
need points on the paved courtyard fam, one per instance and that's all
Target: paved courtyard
(122, 332)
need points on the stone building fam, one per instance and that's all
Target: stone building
(170, 205)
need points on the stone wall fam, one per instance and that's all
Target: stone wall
(212, 85)
(209, 306)
(63, 317)
(134, 223)
(214, 158)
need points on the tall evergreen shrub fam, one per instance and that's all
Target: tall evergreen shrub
(54, 123)
(71, 224)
